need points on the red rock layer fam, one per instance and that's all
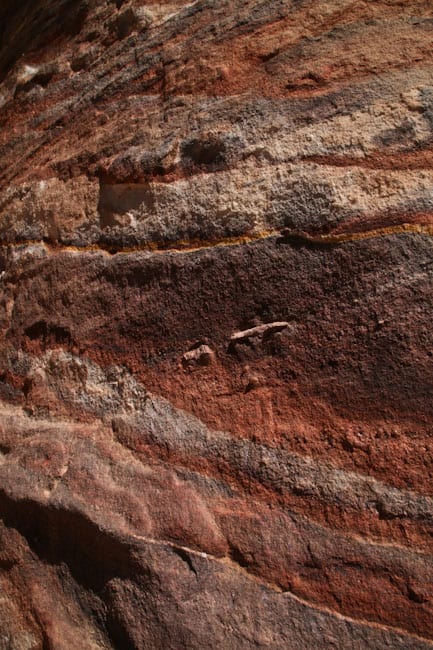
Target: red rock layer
(215, 313)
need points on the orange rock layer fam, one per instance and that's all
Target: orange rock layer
(215, 314)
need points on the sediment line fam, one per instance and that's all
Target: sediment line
(284, 472)
(126, 539)
(184, 246)
(228, 562)
(359, 488)
(222, 559)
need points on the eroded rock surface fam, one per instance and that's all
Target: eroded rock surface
(215, 312)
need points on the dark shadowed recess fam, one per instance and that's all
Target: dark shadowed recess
(27, 25)
(71, 543)
(57, 535)
(49, 334)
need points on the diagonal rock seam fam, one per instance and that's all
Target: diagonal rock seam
(216, 372)
(183, 247)
(226, 562)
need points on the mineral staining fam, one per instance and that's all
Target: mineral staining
(215, 305)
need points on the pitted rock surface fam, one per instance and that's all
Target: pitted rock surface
(216, 382)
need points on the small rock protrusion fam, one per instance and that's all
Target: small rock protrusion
(200, 355)
(132, 19)
(260, 331)
(417, 593)
(413, 99)
(30, 76)
(251, 380)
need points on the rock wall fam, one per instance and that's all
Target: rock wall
(216, 379)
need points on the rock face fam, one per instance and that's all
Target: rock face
(216, 382)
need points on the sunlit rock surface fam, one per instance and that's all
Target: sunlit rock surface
(216, 380)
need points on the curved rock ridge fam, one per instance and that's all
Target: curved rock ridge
(216, 380)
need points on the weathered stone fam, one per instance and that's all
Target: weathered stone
(216, 369)
(202, 355)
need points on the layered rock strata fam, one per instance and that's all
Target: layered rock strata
(215, 310)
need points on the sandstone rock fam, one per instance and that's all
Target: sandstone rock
(256, 178)
(258, 330)
(131, 19)
(201, 355)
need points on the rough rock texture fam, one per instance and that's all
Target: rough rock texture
(216, 381)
